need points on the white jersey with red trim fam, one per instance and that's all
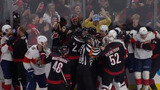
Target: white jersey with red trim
(6, 54)
(140, 53)
(32, 60)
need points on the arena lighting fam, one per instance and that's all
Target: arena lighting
(117, 5)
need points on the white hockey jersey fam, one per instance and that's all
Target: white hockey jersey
(32, 60)
(141, 53)
(6, 54)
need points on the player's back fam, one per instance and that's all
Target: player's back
(114, 57)
(59, 66)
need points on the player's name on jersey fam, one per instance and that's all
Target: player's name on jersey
(59, 59)
(112, 51)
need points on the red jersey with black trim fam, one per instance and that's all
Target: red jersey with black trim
(60, 68)
(114, 57)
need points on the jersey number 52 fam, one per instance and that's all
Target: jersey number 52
(114, 59)
(57, 66)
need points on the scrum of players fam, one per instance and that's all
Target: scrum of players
(87, 56)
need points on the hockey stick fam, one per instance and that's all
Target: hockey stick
(29, 82)
(64, 78)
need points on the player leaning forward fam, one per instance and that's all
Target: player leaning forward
(143, 61)
(32, 63)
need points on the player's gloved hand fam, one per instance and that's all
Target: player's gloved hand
(10, 41)
(42, 53)
(30, 73)
(68, 86)
(127, 38)
(138, 44)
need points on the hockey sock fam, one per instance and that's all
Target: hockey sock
(7, 87)
(138, 80)
(145, 76)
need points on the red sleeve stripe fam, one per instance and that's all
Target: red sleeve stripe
(155, 33)
(26, 60)
(3, 45)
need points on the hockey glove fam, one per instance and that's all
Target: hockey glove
(10, 40)
(138, 44)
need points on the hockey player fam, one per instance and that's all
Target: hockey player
(19, 49)
(59, 76)
(148, 45)
(114, 56)
(33, 65)
(130, 46)
(74, 46)
(84, 73)
(155, 63)
(143, 61)
(6, 57)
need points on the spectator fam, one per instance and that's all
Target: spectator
(49, 13)
(62, 9)
(21, 15)
(96, 23)
(135, 23)
(33, 31)
(78, 12)
(58, 33)
(134, 8)
(74, 25)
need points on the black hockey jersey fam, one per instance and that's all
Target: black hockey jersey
(114, 57)
(60, 68)
(19, 49)
(74, 47)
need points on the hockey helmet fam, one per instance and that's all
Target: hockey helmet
(118, 30)
(5, 28)
(89, 39)
(92, 31)
(133, 33)
(78, 32)
(104, 28)
(41, 39)
(112, 34)
(64, 50)
(143, 31)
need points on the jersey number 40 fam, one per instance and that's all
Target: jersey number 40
(57, 67)
(114, 59)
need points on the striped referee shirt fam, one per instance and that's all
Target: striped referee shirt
(88, 54)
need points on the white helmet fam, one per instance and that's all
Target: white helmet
(5, 27)
(118, 29)
(143, 31)
(133, 32)
(104, 28)
(112, 34)
(41, 39)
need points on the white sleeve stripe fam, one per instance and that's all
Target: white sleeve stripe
(78, 40)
